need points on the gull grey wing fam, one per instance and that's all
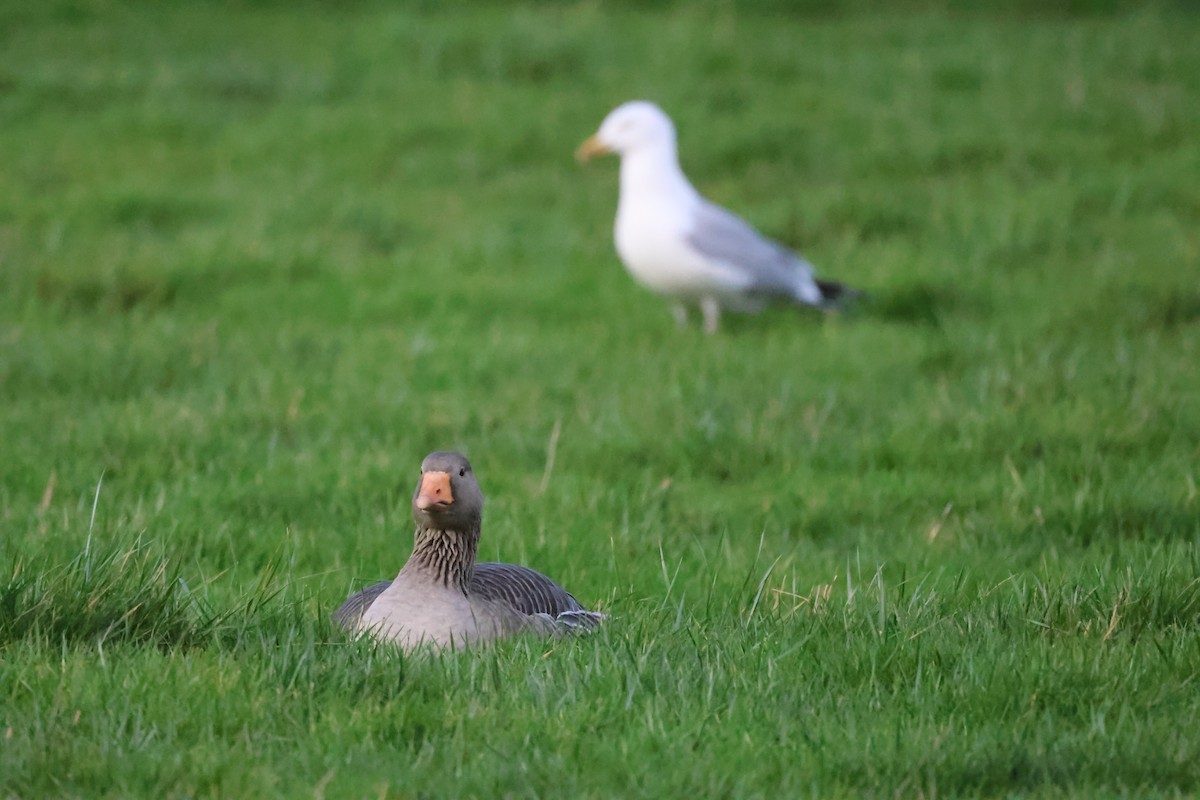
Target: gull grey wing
(350, 612)
(770, 267)
(525, 589)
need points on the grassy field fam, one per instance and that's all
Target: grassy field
(257, 259)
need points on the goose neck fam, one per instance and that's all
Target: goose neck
(447, 557)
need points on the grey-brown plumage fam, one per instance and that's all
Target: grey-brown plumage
(527, 590)
(442, 597)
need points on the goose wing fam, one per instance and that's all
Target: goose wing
(525, 589)
(350, 612)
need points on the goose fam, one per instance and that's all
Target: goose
(681, 246)
(442, 598)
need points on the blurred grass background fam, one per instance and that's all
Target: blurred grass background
(257, 259)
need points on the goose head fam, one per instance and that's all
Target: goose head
(447, 496)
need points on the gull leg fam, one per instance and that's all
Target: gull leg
(711, 308)
(679, 312)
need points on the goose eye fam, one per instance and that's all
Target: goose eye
(462, 472)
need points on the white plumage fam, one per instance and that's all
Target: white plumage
(676, 243)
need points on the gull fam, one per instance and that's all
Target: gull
(681, 246)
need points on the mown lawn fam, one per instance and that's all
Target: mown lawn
(257, 259)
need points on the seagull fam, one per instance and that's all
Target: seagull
(442, 598)
(676, 243)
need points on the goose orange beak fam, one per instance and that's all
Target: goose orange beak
(435, 491)
(591, 148)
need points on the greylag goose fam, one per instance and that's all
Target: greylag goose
(676, 243)
(442, 597)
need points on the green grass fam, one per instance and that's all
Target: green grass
(257, 259)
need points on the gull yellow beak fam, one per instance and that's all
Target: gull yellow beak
(435, 491)
(591, 148)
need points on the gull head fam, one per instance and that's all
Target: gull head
(628, 128)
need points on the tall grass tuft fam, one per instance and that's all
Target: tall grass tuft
(127, 594)
(121, 594)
